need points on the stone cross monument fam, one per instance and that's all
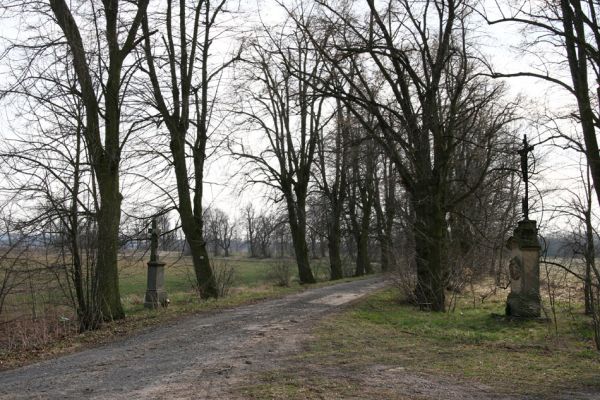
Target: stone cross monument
(524, 297)
(155, 293)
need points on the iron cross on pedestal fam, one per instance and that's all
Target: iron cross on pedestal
(524, 152)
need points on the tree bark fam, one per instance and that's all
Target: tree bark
(429, 231)
(104, 154)
(363, 263)
(178, 121)
(335, 259)
(297, 221)
(191, 220)
(385, 214)
(574, 29)
(107, 273)
(590, 258)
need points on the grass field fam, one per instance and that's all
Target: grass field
(475, 343)
(251, 278)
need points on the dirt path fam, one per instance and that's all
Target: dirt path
(200, 357)
(211, 356)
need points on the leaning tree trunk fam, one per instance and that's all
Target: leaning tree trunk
(429, 232)
(205, 279)
(191, 224)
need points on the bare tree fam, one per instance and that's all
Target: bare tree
(260, 227)
(220, 230)
(250, 223)
(47, 170)
(100, 69)
(579, 245)
(168, 233)
(332, 163)
(572, 28)
(182, 83)
(385, 210)
(266, 225)
(287, 111)
(361, 194)
(427, 98)
(317, 223)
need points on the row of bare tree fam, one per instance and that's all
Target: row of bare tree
(332, 98)
(381, 100)
(384, 116)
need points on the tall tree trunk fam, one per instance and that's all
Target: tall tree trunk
(104, 154)
(109, 214)
(360, 226)
(313, 246)
(191, 221)
(205, 279)
(297, 221)
(335, 259)
(363, 264)
(384, 232)
(429, 231)
(386, 217)
(587, 290)
(575, 36)
(385, 248)
(590, 257)
(107, 273)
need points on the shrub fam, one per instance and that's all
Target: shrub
(281, 273)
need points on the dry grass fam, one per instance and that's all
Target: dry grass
(474, 345)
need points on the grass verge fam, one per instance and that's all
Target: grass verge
(470, 345)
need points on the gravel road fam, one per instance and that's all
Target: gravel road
(199, 357)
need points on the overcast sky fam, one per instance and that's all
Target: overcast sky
(498, 43)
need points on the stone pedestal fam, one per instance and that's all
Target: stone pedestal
(524, 298)
(156, 296)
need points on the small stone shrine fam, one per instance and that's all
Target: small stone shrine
(155, 293)
(524, 298)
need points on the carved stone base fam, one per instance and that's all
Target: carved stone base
(155, 299)
(524, 298)
(156, 296)
(523, 305)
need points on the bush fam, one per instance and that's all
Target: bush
(224, 276)
(281, 273)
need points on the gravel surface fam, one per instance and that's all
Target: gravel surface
(199, 357)
(212, 356)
